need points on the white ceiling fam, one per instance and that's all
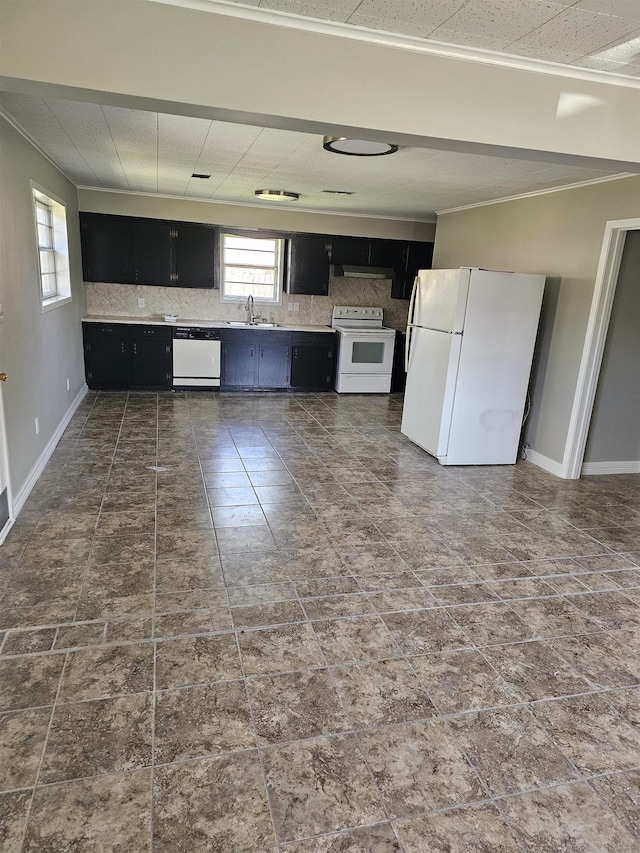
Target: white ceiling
(600, 34)
(131, 150)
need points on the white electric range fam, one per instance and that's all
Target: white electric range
(365, 350)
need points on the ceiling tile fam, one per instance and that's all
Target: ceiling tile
(511, 20)
(577, 31)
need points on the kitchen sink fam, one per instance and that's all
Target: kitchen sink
(245, 325)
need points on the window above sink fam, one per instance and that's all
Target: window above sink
(251, 266)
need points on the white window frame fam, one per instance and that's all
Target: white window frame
(56, 246)
(279, 283)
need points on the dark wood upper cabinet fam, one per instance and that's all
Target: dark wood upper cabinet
(151, 249)
(308, 265)
(136, 250)
(350, 251)
(195, 247)
(106, 248)
(417, 256)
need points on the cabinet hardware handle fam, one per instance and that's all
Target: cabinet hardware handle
(122, 348)
(135, 349)
(3, 377)
(251, 352)
(167, 349)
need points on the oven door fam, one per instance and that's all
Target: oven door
(365, 353)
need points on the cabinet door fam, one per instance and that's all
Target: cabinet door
(108, 362)
(312, 366)
(418, 257)
(238, 365)
(151, 251)
(308, 267)
(150, 363)
(388, 253)
(106, 248)
(194, 251)
(353, 251)
(273, 366)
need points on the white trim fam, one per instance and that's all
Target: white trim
(544, 462)
(4, 468)
(40, 463)
(17, 127)
(611, 468)
(605, 287)
(353, 32)
(535, 193)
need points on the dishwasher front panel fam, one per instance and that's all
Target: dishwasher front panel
(196, 363)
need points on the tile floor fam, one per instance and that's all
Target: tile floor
(299, 633)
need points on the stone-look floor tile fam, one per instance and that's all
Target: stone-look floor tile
(241, 570)
(287, 648)
(179, 574)
(103, 813)
(534, 671)
(335, 606)
(217, 804)
(129, 629)
(192, 622)
(373, 559)
(101, 736)
(370, 839)
(28, 682)
(314, 562)
(241, 540)
(192, 722)
(607, 660)
(92, 606)
(552, 617)
(511, 750)
(590, 733)
(267, 593)
(626, 703)
(320, 786)
(182, 545)
(100, 673)
(621, 792)
(392, 600)
(419, 767)
(322, 587)
(77, 636)
(462, 593)
(396, 583)
(22, 737)
(190, 599)
(462, 681)
(125, 523)
(382, 692)
(118, 581)
(420, 631)
(56, 553)
(295, 706)
(486, 624)
(29, 642)
(276, 613)
(609, 610)
(125, 550)
(14, 807)
(197, 660)
(541, 820)
(360, 638)
(480, 829)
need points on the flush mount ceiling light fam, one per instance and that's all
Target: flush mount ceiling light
(277, 195)
(357, 147)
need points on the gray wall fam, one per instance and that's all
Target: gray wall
(38, 351)
(614, 433)
(559, 234)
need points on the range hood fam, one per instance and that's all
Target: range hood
(353, 271)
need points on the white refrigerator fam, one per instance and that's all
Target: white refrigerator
(469, 347)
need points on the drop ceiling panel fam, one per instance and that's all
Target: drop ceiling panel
(579, 31)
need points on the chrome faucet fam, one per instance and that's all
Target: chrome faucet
(251, 320)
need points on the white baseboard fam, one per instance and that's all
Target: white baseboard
(20, 498)
(544, 462)
(611, 468)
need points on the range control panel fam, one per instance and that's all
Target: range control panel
(356, 312)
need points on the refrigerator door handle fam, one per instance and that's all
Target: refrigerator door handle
(407, 340)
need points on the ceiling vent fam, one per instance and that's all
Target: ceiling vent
(204, 177)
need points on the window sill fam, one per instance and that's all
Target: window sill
(54, 302)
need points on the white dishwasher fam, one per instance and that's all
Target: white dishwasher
(196, 357)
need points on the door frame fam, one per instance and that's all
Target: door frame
(615, 234)
(4, 470)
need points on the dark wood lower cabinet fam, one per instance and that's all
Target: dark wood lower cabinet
(121, 356)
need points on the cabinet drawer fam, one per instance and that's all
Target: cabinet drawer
(162, 332)
(107, 330)
(313, 338)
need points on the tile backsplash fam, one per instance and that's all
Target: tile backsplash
(121, 300)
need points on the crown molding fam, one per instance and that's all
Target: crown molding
(404, 42)
(17, 127)
(535, 193)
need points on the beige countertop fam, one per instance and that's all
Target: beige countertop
(203, 324)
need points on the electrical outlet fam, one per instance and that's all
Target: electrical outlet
(68, 384)
(296, 306)
(37, 425)
(141, 302)
(289, 306)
